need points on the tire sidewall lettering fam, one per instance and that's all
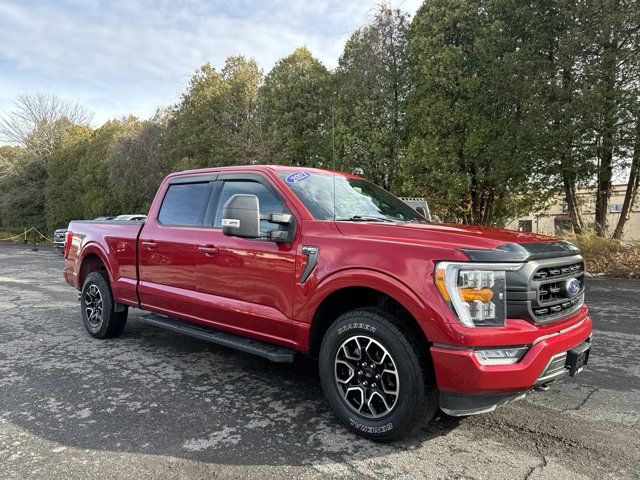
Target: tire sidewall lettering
(371, 429)
(358, 326)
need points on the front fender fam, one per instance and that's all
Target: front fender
(367, 278)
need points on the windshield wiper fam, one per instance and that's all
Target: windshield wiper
(365, 218)
(418, 220)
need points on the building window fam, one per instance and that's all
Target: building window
(525, 225)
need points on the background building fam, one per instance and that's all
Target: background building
(556, 218)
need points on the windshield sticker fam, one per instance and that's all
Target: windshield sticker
(297, 177)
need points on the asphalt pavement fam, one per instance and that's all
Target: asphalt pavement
(153, 404)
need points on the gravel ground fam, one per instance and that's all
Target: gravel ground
(153, 404)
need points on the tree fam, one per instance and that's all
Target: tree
(36, 124)
(137, 163)
(470, 147)
(14, 210)
(215, 122)
(97, 194)
(63, 190)
(612, 67)
(633, 184)
(556, 39)
(372, 83)
(295, 111)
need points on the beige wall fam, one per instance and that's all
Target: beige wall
(543, 222)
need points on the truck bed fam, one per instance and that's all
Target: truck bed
(114, 240)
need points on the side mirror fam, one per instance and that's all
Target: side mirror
(421, 211)
(241, 216)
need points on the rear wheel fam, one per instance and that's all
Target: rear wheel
(375, 376)
(98, 308)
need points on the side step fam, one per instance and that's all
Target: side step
(248, 345)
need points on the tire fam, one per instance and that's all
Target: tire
(407, 372)
(98, 308)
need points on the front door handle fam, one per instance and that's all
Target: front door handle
(207, 249)
(149, 245)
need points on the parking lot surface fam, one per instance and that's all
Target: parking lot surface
(153, 404)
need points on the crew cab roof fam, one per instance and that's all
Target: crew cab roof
(260, 168)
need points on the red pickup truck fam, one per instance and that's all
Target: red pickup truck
(405, 316)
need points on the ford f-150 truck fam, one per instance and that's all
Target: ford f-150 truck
(404, 316)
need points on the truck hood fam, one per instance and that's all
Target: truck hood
(477, 243)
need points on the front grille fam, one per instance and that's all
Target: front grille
(557, 271)
(559, 308)
(539, 291)
(554, 291)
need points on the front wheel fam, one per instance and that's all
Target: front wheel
(98, 308)
(375, 376)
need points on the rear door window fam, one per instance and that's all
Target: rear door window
(185, 204)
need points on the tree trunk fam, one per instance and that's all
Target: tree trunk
(607, 142)
(603, 185)
(632, 186)
(572, 204)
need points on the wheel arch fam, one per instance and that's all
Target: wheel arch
(93, 259)
(351, 290)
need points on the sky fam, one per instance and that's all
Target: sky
(124, 57)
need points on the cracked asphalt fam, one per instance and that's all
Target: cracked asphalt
(153, 404)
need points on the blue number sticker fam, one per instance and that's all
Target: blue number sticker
(297, 177)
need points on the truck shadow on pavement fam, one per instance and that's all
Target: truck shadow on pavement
(155, 392)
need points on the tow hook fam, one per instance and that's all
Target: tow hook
(541, 388)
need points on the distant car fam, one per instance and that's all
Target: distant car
(60, 234)
(131, 218)
(59, 237)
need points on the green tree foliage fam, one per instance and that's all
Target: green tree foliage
(78, 183)
(137, 163)
(487, 107)
(216, 123)
(295, 111)
(469, 149)
(16, 208)
(557, 108)
(63, 190)
(36, 124)
(371, 85)
(612, 71)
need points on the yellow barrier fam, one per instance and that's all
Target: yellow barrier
(19, 235)
(24, 234)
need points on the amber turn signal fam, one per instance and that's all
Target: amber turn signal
(440, 272)
(472, 294)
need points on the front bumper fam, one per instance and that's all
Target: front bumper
(467, 386)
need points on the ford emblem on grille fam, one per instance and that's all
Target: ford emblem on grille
(572, 286)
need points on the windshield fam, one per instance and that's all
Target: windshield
(353, 199)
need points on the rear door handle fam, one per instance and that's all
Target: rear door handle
(207, 249)
(150, 245)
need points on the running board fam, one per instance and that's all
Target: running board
(244, 344)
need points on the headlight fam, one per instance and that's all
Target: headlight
(476, 292)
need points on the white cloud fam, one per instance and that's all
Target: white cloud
(121, 57)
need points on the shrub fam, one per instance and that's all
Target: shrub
(608, 256)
